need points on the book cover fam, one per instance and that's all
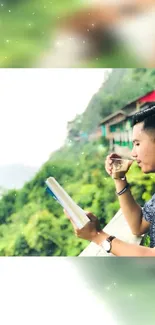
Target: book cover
(77, 214)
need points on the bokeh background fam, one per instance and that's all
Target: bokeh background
(125, 285)
(77, 33)
(117, 291)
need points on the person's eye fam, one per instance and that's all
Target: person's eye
(135, 144)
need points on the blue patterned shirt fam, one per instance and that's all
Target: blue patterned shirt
(149, 215)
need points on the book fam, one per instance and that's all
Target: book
(75, 212)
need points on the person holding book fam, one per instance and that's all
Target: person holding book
(140, 220)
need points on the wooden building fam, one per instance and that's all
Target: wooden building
(117, 126)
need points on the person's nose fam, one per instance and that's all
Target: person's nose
(133, 152)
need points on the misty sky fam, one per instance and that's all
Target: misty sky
(35, 107)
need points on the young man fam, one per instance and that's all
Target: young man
(140, 220)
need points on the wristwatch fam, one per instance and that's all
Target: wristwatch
(107, 245)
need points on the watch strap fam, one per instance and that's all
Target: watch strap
(109, 239)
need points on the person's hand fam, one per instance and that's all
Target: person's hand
(90, 230)
(109, 163)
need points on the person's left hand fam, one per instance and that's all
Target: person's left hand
(90, 230)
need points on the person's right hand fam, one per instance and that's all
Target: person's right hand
(108, 163)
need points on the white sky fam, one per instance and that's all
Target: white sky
(35, 105)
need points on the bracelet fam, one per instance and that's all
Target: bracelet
(122, 178)
(124, 189)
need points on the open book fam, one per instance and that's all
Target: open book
(77, 214)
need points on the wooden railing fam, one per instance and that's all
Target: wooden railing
(118, 227)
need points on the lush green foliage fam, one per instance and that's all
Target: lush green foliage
(33, 223)
(28, 28)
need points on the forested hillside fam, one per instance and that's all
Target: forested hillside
(121, 87)
(31, 222)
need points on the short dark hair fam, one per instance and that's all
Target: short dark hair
(147, 116)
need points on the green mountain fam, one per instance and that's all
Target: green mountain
(31, 221)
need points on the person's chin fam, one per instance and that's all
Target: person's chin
(145, 170)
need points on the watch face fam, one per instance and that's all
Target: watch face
(106, 245)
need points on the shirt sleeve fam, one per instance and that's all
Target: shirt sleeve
(149, 209)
